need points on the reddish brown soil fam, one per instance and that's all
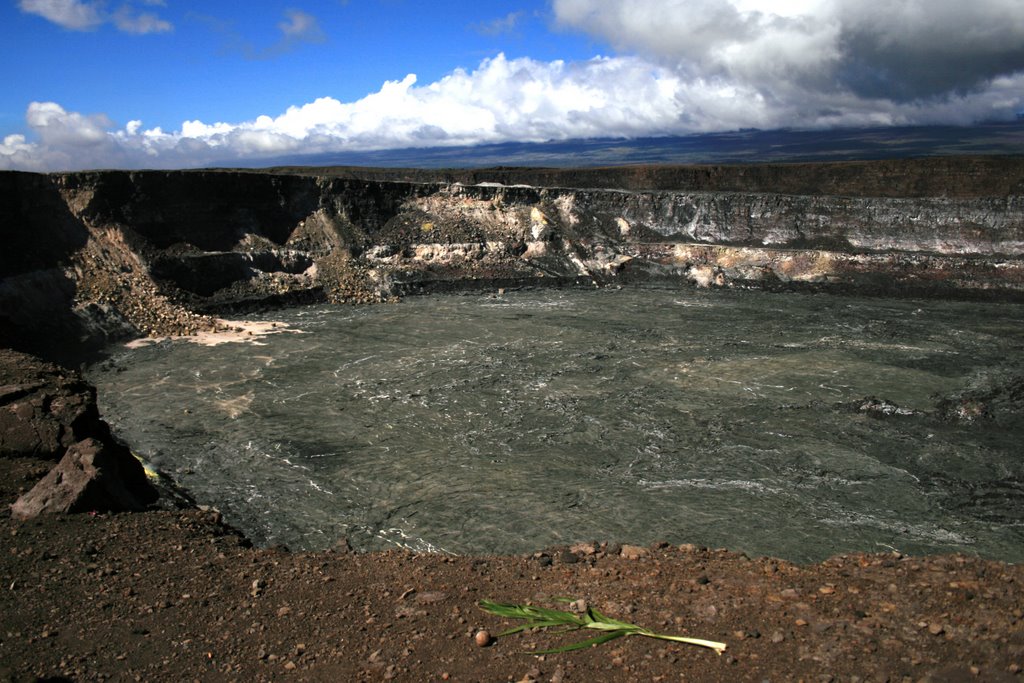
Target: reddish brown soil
(173, 596)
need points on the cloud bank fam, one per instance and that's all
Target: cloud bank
(681, 66)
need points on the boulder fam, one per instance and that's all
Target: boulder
(92, 476)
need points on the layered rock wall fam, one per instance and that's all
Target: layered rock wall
(95, 256)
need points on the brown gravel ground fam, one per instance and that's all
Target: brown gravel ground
(175, 596)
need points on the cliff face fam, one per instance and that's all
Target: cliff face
(94, 256)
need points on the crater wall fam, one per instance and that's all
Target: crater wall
(96, 256)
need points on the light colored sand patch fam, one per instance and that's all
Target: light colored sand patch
(232, 332)
(234, 407)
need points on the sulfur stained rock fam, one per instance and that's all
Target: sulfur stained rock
(91, 476)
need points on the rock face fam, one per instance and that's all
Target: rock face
(103, 255)
(50, 413)
(91, 476)
(44, 408)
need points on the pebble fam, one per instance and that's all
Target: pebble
(566, 557)
(633, 552)
(579, 606)
(482, 638)
(584, 548)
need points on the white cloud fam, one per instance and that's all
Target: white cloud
(57, 127)
(296, 28)
(140, 23)
(300, 27)
(86, 16)
(902, 50)
(505, 24)
(684, 67)
(71, 14)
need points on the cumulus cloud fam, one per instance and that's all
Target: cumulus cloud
(502, 100)
(58, 127)
(86, 16)
(900, 51)
(683, 66)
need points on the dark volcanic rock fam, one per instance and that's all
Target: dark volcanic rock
(44, 408)
(91, 476)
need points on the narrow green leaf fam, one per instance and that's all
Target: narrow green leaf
(589, 642)
(543, 617)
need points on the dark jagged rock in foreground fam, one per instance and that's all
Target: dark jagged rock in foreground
(174, 594)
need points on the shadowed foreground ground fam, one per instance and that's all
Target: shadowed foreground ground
(175, 596)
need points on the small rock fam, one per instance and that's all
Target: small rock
(482, 638)
(290, 665)
(633, 552)
(936, 629)
(778, 637)
(584, 548)
(579, 606)
(284, 611)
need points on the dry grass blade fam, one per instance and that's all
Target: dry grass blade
(543, 617)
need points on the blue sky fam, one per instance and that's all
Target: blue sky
(217, 63)
(167, 83)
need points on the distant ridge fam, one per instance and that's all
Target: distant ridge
(745, 146)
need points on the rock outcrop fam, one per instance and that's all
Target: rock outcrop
(44, 408)
(49, 413)
(98, 256)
